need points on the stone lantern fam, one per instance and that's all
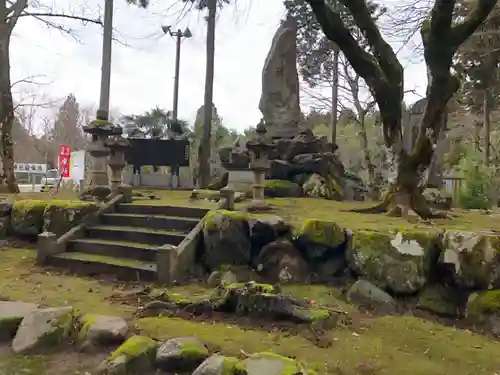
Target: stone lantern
(259, 148)
(100, 129)
(116, 161)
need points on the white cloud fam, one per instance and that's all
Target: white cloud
(142, 74)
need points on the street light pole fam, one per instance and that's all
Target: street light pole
(178, 35)
(107, 39)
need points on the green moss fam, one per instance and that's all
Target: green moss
(233, 366)
(484, 303)
(63, 327)
(193, 349)
(281, 188)
(322, 232)
(62, 215)
(86, 322)
(234, 215)
(439, 300)
(258, 287)
(24, 365)
(134, 347)
(29, 205)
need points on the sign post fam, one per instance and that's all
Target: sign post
(64, 160)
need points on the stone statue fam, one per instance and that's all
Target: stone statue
(279, 101)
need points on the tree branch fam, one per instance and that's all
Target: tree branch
(462, 30)
(13, 13)
(96, 21)
(382, 51)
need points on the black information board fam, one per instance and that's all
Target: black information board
(158, 152)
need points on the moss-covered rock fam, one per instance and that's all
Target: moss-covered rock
(260, 362)
(438, 198)
(226, 239)
(220, 365)
(61, 215)
(281, 188)
(136, 355)
(318, 237)
(265, 363)
(483, 304)
(320, 187)
(100, 330)
(400, 264)
(183, 354)
(4, 227)
(474, 258)
(44, 329)
(27, 217)
(440, 300)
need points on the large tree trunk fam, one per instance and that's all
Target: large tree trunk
(205, 144)
(7, 177)
(486, 125)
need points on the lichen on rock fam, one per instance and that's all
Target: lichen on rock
(474, 257)
(400, 264)
(101, 330)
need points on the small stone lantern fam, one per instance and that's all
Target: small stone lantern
(259, 148)
(100, 129)
(116, 161)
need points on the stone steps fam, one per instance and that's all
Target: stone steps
(90, 265)
(125, 243)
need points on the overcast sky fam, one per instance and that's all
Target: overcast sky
(142, 72)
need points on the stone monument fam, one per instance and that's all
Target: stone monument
(280, 98)
(295, 153)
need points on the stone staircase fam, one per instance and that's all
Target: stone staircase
(125, 243)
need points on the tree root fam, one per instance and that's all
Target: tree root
(402, 204)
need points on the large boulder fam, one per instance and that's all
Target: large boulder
(473, 257)
(399, 264)
(60, 216)
(136, 355)
(44, 329)
(226, 237)
(281, 188)
(441, 300)
(27, 217)
(183, 354)
(319, 239)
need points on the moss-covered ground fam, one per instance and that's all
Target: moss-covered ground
(373, 345)
(297, 210)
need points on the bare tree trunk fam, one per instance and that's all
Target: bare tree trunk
(205, 149)
(486, 125)
(368, 158)
(7, 177)
(335, 94)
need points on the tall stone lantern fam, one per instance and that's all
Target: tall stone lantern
(100, 129)
(259, 148)
(116, 161)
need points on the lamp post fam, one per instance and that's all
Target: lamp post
(178, 35)
(107, 39)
